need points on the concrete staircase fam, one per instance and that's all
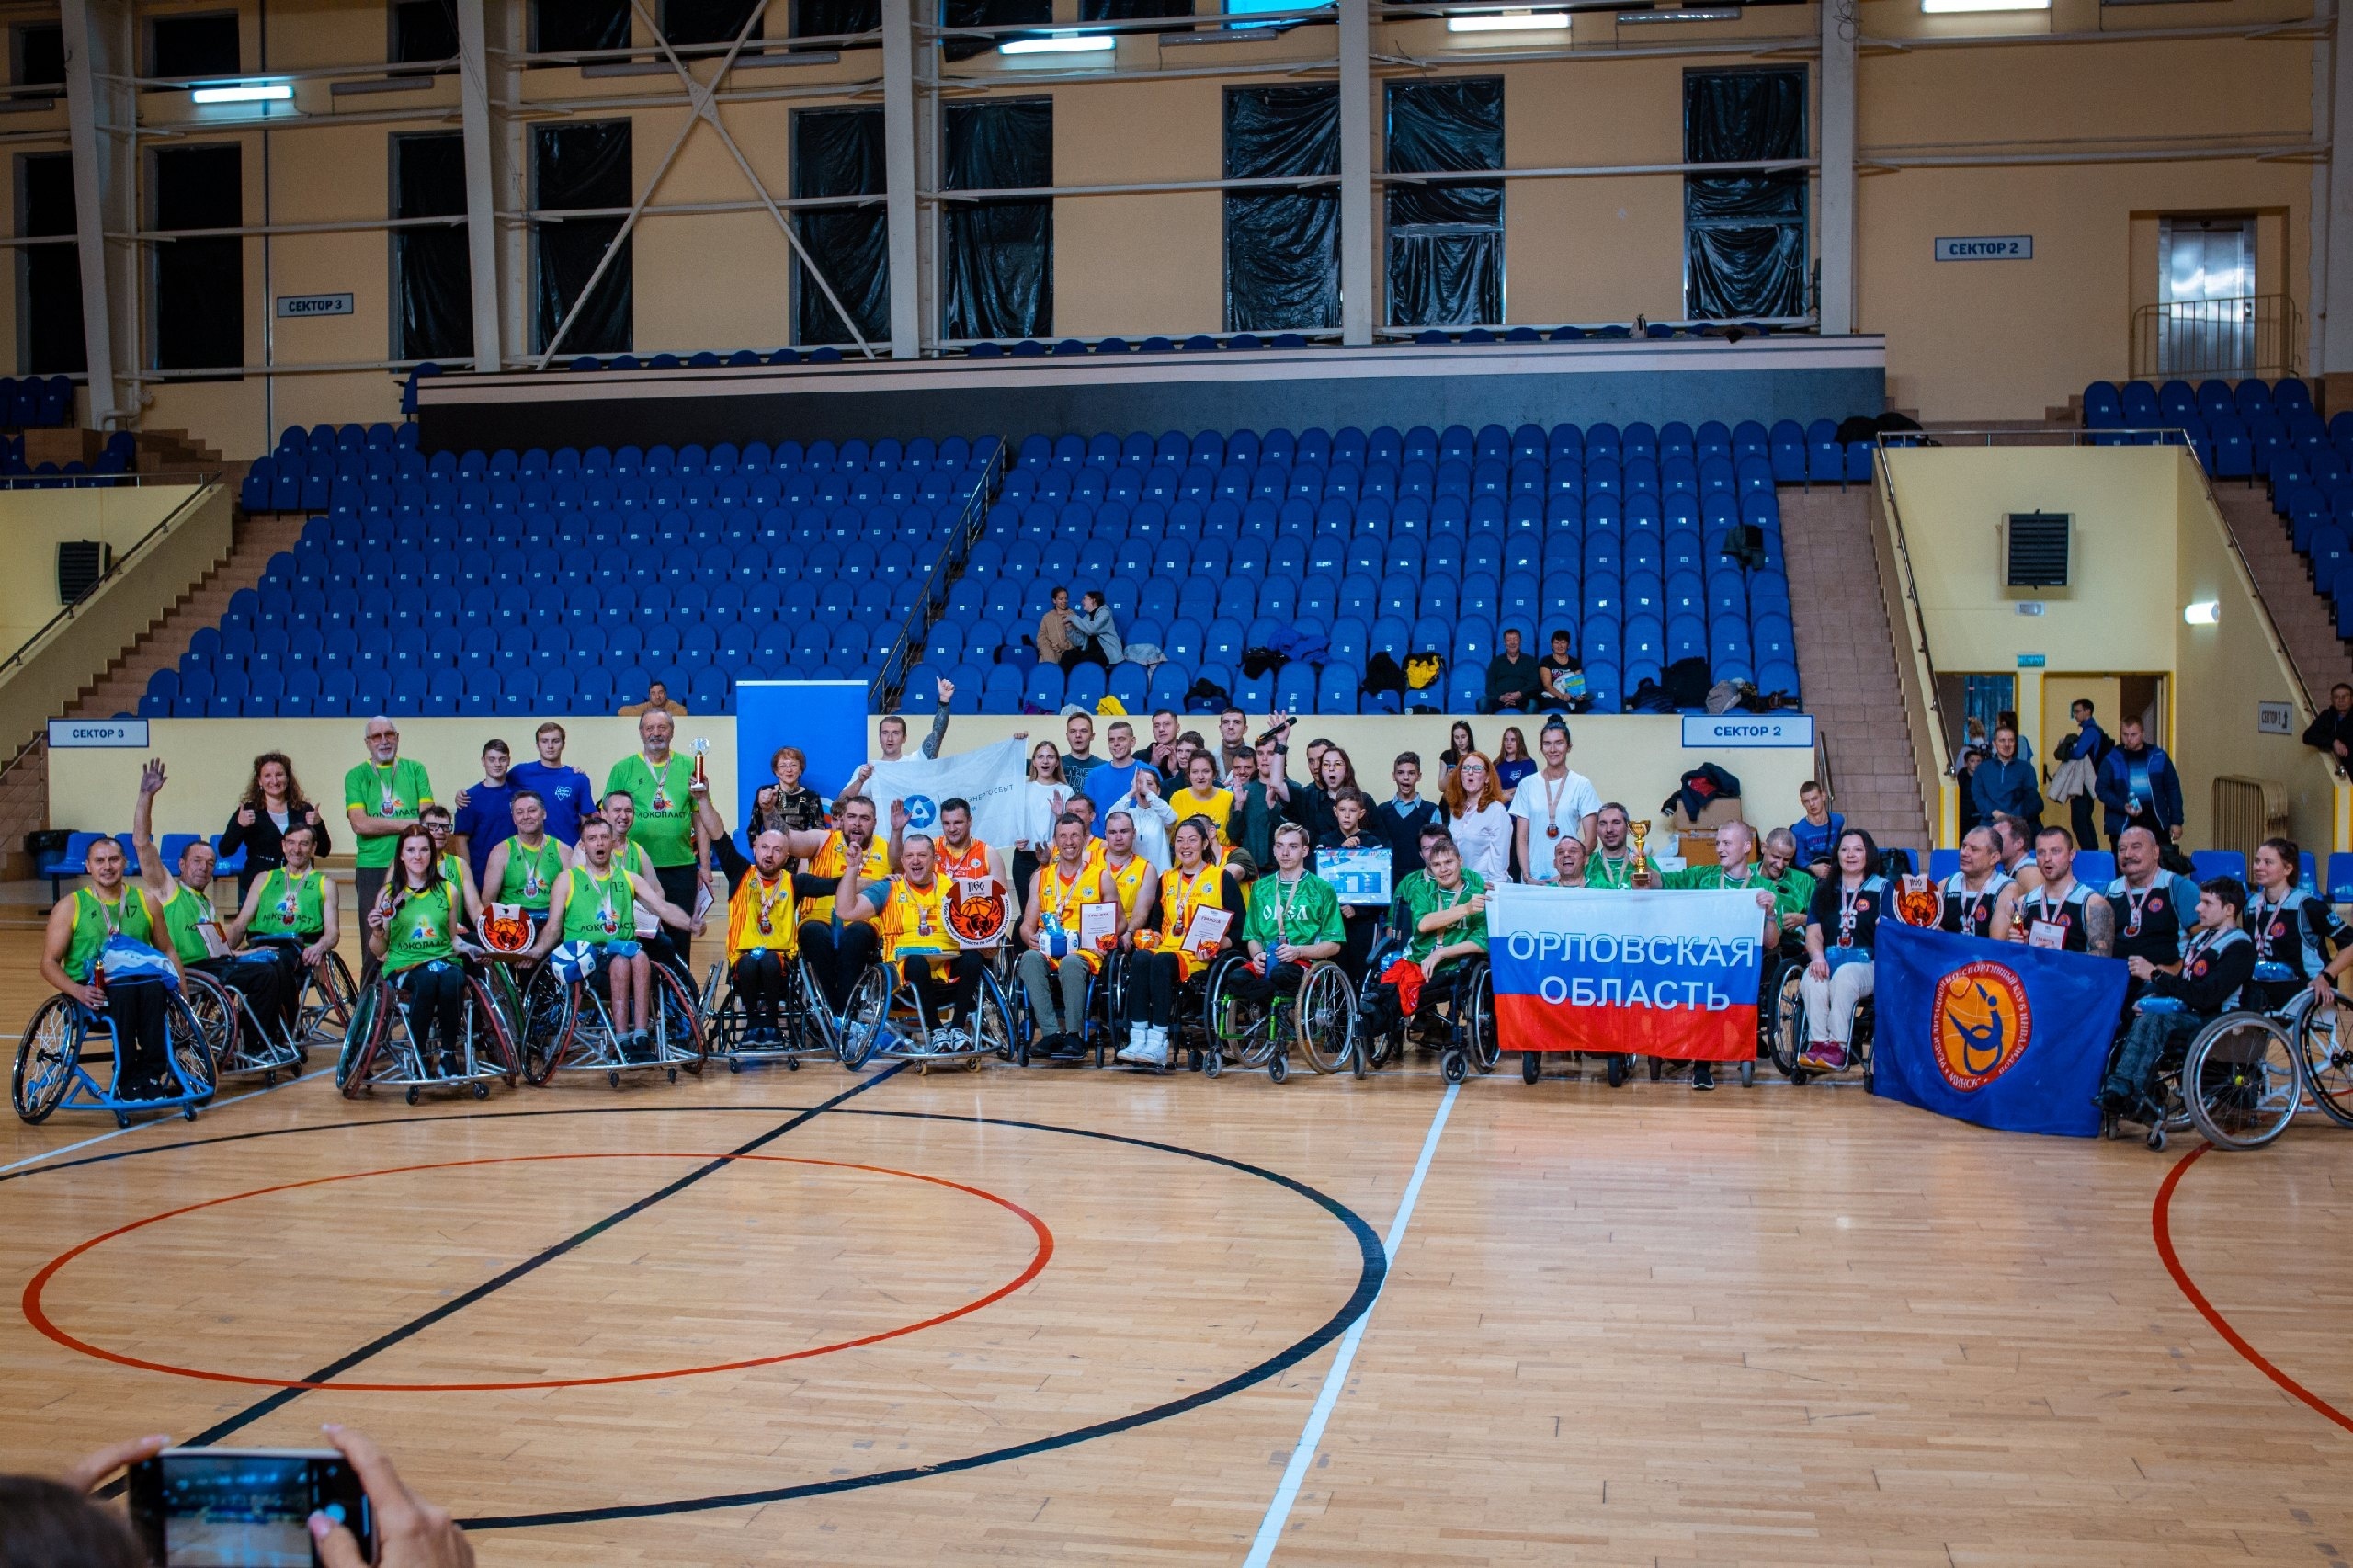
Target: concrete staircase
(2305, 622)
(1847, 664)
(24, 789)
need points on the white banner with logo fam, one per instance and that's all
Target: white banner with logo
(990, 779)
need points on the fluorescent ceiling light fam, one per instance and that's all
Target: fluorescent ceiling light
(2202, 612)
(1059, 43)
(1962, 7)
(1509, 22)
(244, 93)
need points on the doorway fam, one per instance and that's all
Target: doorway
(2206, 308)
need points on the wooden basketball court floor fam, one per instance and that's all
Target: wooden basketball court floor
(999, 1317)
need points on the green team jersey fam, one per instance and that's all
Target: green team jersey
(1298, 912)
(424, 928)
(1421, 895)
(1793, 890)
(396, 793)
(597, 909)
(664, 823)
(187, 915)
(530, 876)
(94, 920)
(1602, 872)
(290, 908)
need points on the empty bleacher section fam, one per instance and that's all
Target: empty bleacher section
(1212, 545)
(561, 581)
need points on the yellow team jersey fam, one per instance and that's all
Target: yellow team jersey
(833, 861)
(760, 914)
(1179, 896)
(915, 921)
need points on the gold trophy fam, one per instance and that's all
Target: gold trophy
(1638, 869)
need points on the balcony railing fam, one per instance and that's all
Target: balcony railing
(2255, 334)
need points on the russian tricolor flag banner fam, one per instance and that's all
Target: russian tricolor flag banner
(1661, 972)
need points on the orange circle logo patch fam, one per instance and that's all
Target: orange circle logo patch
(1983, 1023)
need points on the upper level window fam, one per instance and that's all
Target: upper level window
(194, 46)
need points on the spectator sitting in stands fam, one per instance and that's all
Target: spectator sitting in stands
(2330, 731)
(1514, 682)
(1053, 639)
(657, 700)
(2006, 782)
(1817, 830)
(1093, 637)
(1562, 676)
(2139, 787)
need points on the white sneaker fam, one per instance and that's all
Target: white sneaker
(1133, 1051)
(1155, 1050)
(947, 1038)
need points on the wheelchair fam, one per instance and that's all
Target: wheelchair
(801, 1020)
(1105, 1008)
(52, 1069)
(2240, 1080)
(1785, 1036)
(1465, 1035)
(380, 1053)
(2324, 1040)
(885, 1021)
(1321, 1016)
(568, 1028)
(243, 1042)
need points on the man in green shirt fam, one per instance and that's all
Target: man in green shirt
(1793, 886)
(1445, 905)
(658, 780)
(190, 918)
(1612, 862)
(1734, 872)
(1294, 921)
(381, 796)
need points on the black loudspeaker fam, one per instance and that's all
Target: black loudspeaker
(2036, 556)
(80, 563)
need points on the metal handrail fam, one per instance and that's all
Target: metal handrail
(102, 481)
(202, 487)
(883, 693)
(1915, 614)
(2246, 334)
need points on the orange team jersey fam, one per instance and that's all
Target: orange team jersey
(760, 914)
(833, 861)
(971, 866)
(915, 920)
(1179, 896)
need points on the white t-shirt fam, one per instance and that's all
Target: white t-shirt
(1534, 804)
(1484, 838)
(1038, 813)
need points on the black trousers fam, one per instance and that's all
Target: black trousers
(758, 977)
(259, 978)
(142, 1043)
(1151, 988)
(285, 954)
(1251, 986)
(839, 960)
(434, 995)
(930, 973)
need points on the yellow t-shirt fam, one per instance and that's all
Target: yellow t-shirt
(1216, 805)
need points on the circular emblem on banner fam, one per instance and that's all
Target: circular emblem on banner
(1983, 1023)
(505, 928)
(977, 912)
(922, 813)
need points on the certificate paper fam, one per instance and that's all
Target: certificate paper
(1099, 926)
(1206, 930)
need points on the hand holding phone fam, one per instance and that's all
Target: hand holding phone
(225, 1506)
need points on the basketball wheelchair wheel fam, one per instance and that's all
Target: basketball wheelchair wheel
(323, 1008)
(2242, 1079)
(48, 1054)
(2325, 1038)
(864, 1016)
(1325, 1014)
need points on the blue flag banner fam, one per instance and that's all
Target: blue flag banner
(1997, 1033)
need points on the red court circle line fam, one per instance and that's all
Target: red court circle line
(39, 1317)
(2161, 1221)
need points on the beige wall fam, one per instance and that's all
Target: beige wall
(2147, 540)
(1966, 340)
(34, 522)
(1637, 759)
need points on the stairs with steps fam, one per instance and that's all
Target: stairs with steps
(2304, 618)
(24, 790)
(1846, 664)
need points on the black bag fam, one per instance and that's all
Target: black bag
(1382, 673)
(1257, 662)
(1205, 696)
(1686, 682)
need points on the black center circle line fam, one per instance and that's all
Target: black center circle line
(1372, 1272)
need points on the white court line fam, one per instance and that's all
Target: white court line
(1311, 1436)
(143, 1126)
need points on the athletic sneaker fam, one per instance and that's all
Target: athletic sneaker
(1703, 1078)
(1137, 1052)
(1825, 1054)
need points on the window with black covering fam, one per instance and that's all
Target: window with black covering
(839, 152)
(1743, 234)
(707, 21)
(432, 271)
(424, 32)
(1446, 238)
(559, 25)
(193, 46)
(49, 277)
(1132, 10)
(987, 14)
(1000, 252)
(41, 55)
(575, 167)
(830, 19)
(1282, 246)
(200, 283)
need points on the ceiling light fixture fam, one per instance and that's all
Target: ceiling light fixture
(1508, 22)
(1963, 7)
(244, 93)
(1058, 43)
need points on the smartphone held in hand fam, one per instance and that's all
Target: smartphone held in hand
(242, 1508)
